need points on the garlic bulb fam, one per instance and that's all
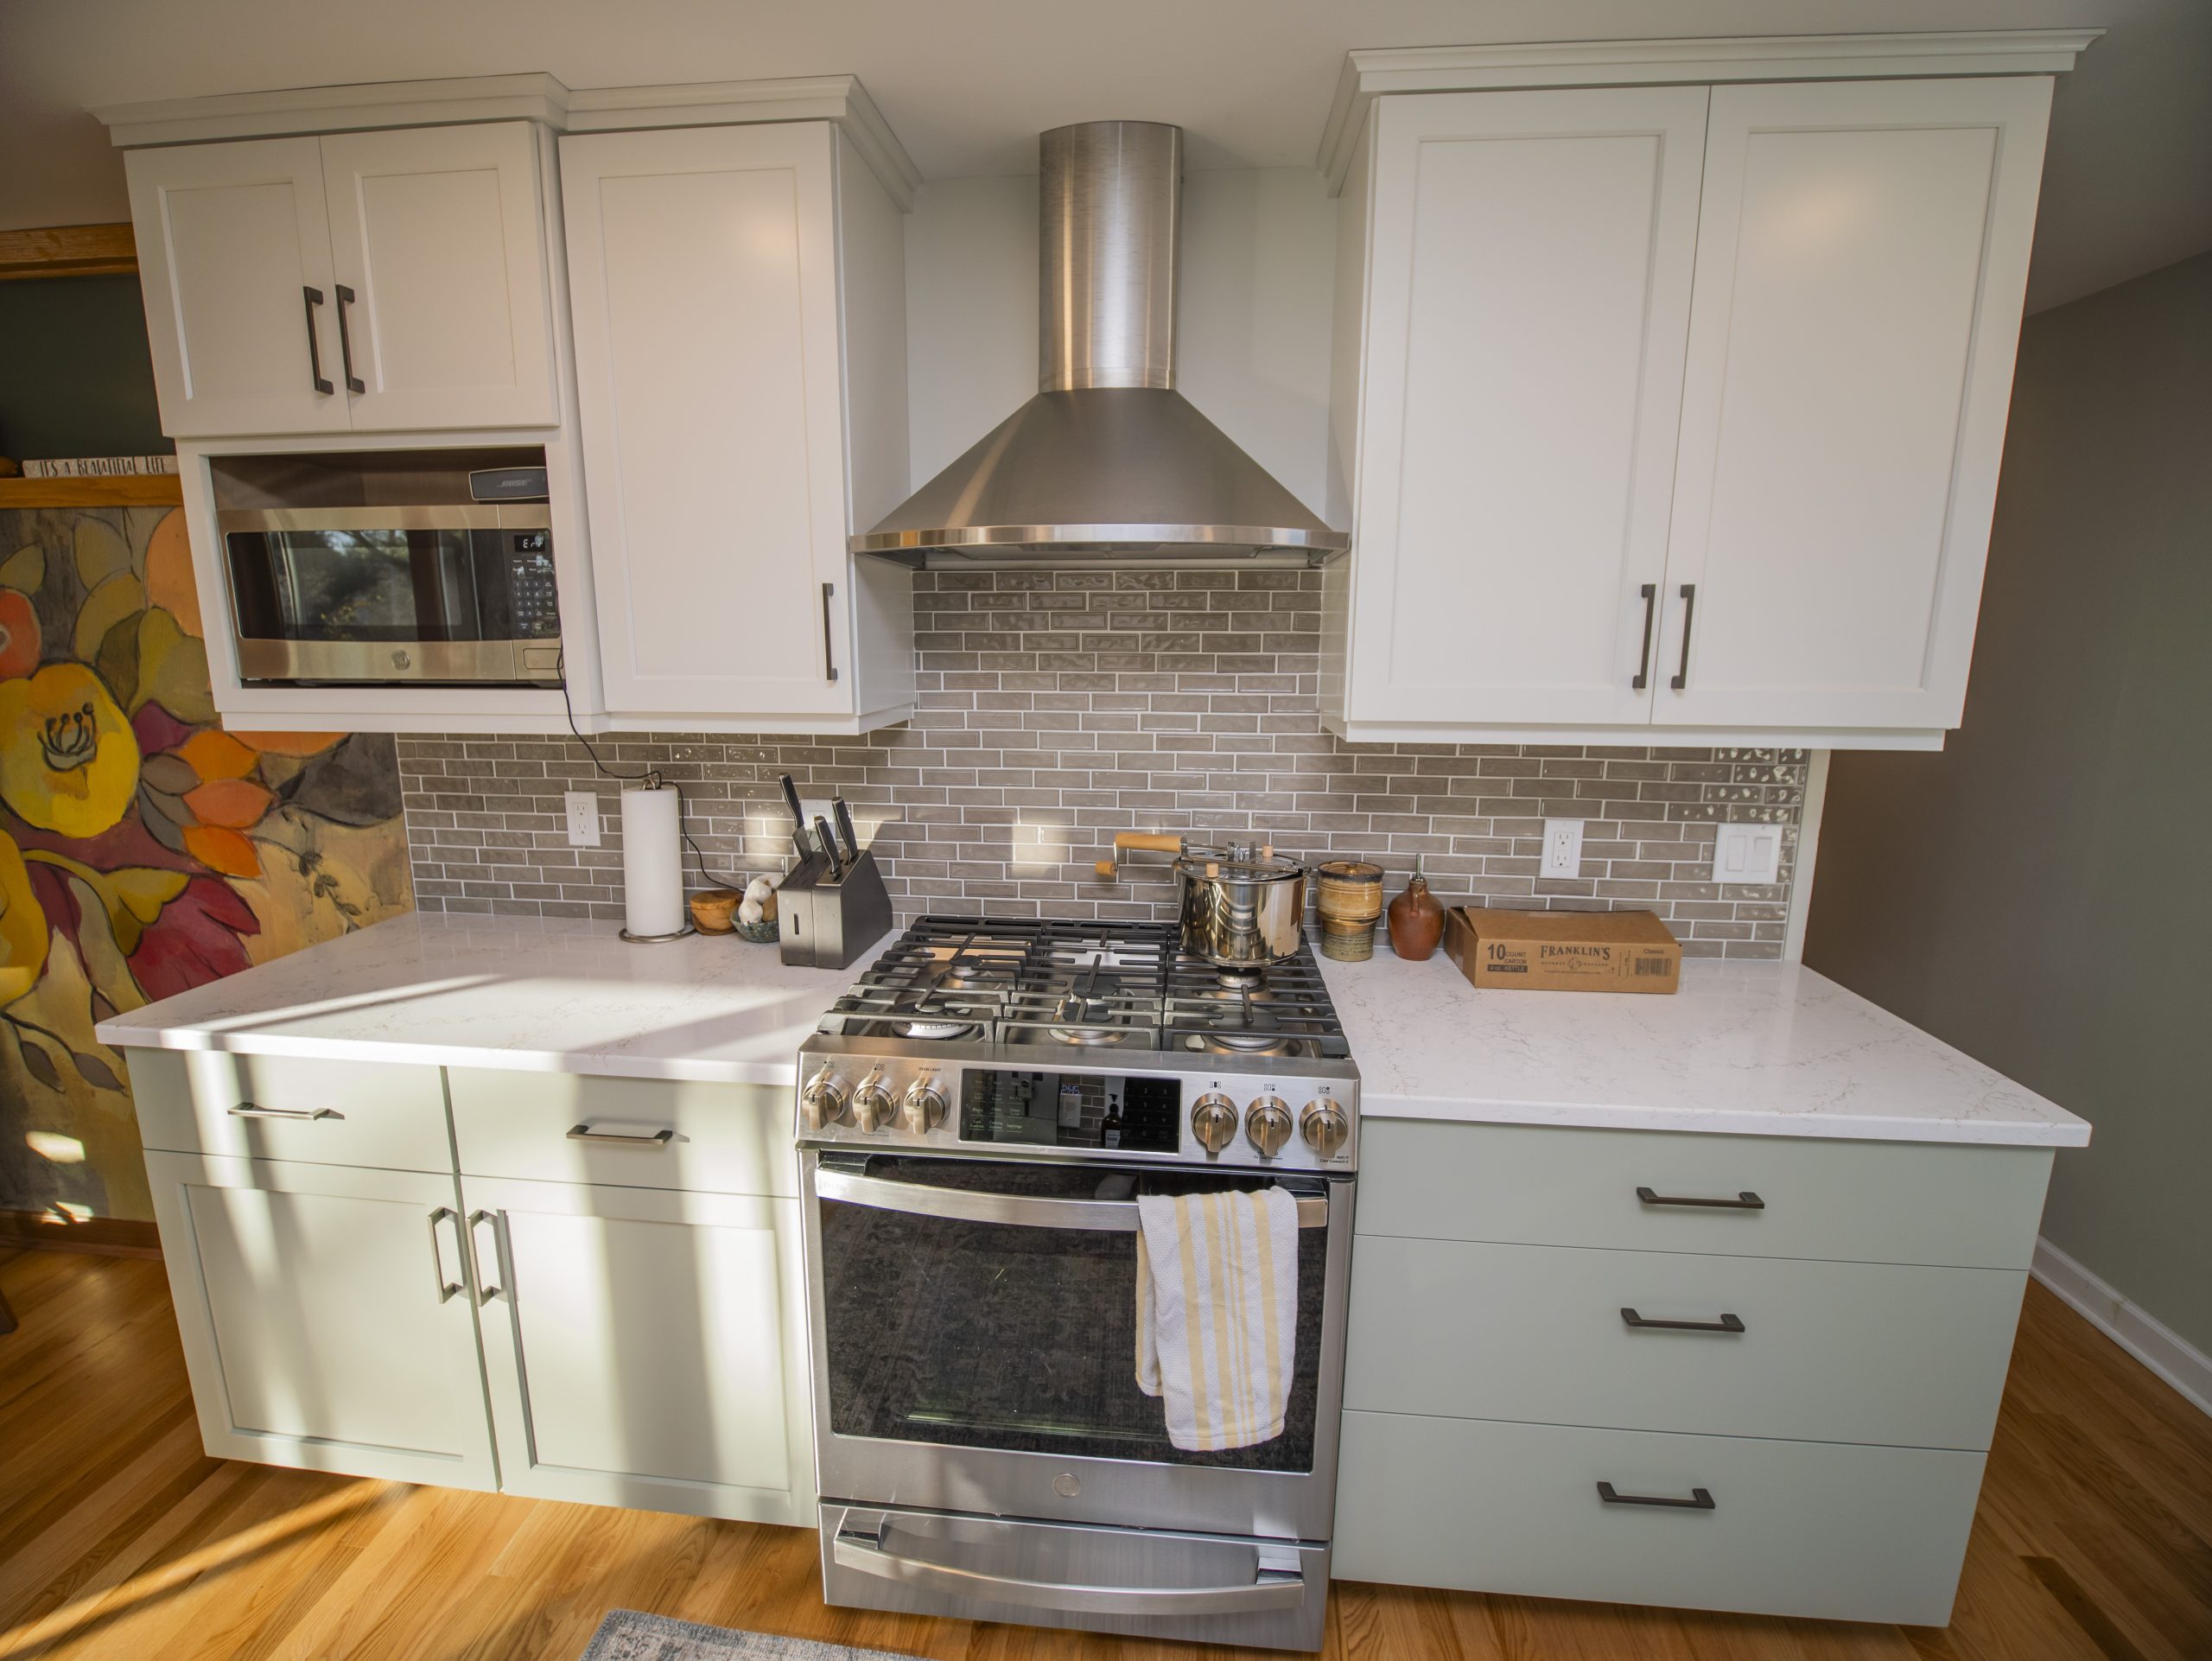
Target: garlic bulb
(757, 892)
(750, 912)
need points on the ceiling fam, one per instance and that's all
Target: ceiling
(967, 84)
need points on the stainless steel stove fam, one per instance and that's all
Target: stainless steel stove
(977, 1116)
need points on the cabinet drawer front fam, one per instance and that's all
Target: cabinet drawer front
(1826, 1352)
(1852, 1201)
(374, 1114)
(634, 1133)
(1795, 1529)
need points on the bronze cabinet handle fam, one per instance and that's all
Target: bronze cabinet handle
(1689, 612)
(1727, 1323)
(1745, 1201)
(1651, 593)
(1700, 1499)
(315, 351)
(353, 382)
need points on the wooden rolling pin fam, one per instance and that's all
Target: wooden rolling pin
(1139, 840)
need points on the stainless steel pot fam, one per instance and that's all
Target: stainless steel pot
(1239, 908)
(1244, 911)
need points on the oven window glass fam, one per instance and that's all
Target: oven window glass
(373, 585)
(1017, 1337)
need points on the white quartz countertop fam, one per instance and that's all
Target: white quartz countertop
(1751, 1048)
(1756, 1048)
(545, 994)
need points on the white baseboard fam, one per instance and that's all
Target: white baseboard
(2156, 1346)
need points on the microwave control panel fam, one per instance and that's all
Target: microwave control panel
(529, 580)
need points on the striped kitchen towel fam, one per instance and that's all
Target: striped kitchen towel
(1217, 1313)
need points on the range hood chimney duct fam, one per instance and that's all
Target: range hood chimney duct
(1109, 465)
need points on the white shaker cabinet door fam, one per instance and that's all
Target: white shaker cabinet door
(326, 1316)
(234, 260)
(442, 281)
(703, 266)
(1529, 275)
(646, 1347)
(1862, 253)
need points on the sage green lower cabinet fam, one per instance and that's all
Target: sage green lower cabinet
(1797, 1345)
(646, 1347)
(1797, 1527)
(325, 1316)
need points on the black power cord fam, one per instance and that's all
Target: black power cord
(560, 667)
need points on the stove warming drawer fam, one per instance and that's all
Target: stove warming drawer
(1199, 1587)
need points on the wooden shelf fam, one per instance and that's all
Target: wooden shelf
(132, 490)
(67, 251)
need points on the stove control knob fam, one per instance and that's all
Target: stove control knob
(872, 1103)
(1326, 1128)
(922, 1110)
(822, 1101)
(1266, 1125)
(1213, 1121)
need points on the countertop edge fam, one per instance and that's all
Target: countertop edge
(1578, 1115)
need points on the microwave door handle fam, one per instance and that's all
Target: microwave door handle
(1270, 1586)
(1016, 1210)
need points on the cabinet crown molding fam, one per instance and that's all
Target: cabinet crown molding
(1369, 74)
(536, 97)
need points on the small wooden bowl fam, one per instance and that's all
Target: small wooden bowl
(715, 910)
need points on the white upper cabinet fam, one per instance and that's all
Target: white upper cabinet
(434, 231)
(1531, 292)
(1675, 408)
(738, 302)
(379, 282)
(1862, 252)
(234, 261)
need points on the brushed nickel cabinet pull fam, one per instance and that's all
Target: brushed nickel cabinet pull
(254, 1110)
(1727, 1323)
(487, 1287)
(829, 663)
(1700, 1499)
(585, 1133)
(446, 1288)
(1745, 1201)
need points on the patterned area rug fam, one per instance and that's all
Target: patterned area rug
(627, 1635)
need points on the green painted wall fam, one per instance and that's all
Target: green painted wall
(2040, 893)
(75, 375)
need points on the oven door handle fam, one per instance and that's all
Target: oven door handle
(1020, 1210)
(1269, 1589)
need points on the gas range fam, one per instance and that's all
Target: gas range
(1063, 1040)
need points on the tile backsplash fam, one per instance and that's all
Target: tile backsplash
(1058, 707)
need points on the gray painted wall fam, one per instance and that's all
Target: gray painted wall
(2038, 894)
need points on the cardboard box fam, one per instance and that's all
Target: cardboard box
(1564, 951)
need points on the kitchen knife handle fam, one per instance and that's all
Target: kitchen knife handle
(845, 827)
(798, 813)
(830, 848)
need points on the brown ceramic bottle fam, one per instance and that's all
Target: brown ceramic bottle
(1416, 921)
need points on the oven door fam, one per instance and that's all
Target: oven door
(459, 593)
(975, 1348)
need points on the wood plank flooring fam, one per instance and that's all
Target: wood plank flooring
(119, 1537)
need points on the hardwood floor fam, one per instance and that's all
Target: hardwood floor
(119, 1537)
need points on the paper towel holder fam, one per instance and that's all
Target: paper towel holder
(651, 779)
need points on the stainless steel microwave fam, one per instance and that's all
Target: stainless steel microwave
(460, 593)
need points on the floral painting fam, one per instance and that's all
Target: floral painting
(144, 849)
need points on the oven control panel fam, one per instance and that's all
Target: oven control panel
(1247, 1117)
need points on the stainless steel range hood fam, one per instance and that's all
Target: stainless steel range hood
(1109, 465)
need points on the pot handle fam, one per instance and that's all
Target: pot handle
(1137, 841)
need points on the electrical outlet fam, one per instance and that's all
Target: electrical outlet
(1747, 853)
(581, 807)
(1562, 848)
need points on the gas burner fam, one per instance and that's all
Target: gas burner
(934, 1032)
(1240, 980)
(1089, 1037)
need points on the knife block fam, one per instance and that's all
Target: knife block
(826, 921)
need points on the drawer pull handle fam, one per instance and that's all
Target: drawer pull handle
(252, 1111)
(1745, 1201)
(1700, 1499)
(488, 1286)
(585, 1133)
(1727, 1323)
(446, 1288)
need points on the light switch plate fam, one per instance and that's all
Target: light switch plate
(581, 811)
(1562, 848)
(1747, 853)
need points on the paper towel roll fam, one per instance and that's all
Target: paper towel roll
(652, 860)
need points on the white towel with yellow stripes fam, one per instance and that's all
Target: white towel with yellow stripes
(1217, 1313)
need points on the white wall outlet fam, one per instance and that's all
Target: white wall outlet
(1747, 853)
(581, 807)
(1562, 848)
